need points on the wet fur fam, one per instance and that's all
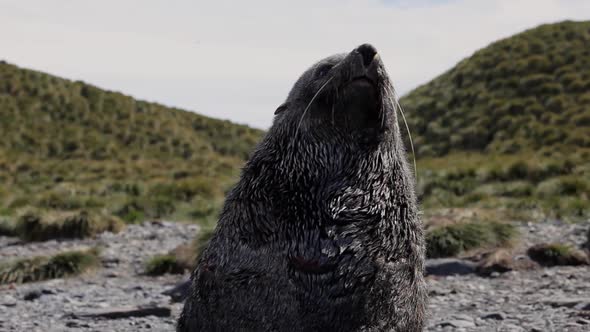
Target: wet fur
(321, 233)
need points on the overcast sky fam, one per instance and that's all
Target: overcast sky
(238, 59)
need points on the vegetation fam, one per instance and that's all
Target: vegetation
(505, 128)
(163, 264)
(183, 257)
(529, 91)
(453, 239)
(534, 185)
(558, 254)
(32, 226)
(7, 228)
(69, 146)
(508, 126)
(40, 268)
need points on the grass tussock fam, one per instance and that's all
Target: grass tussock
(61, 265)
(7, 228)
(546, 186)
(552, 254)
(163, 264)
(43, 226)
(182, 258)
(454, 239)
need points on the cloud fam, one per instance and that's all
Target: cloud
(237, 60)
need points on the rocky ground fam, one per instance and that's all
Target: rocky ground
(117, 297)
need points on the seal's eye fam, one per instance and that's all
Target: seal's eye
(323, 70)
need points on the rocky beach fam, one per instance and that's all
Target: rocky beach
(117, 296)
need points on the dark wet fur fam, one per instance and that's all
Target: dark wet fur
(321, 233)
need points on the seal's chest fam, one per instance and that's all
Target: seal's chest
(355, 204)
(336, 256)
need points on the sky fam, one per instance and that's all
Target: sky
(237, 60)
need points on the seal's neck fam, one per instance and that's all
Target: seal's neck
(309, 161)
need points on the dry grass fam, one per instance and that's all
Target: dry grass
(184, 257)
(163, 264)
(551, 254)
(44, 225)
(65, 264)
(454, 239)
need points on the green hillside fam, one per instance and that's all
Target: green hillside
(69, 146)
(506, 128)
(527, 92)
(510, 125)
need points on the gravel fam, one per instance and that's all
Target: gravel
(545, 299)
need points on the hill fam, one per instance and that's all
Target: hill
(505, 128)
(527, 92)
(69, 146)
(509, 126)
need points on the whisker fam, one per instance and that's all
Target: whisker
(399, 107)
(383, 108)
(310, 102)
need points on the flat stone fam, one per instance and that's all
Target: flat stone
(458, 323)
(495, 316)
(74, 324)
(32, 295)
(125, 312)
(578, 303)
(449, 266)
(7, 301)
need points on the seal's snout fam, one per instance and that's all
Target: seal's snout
(364, 63)
(368, 53)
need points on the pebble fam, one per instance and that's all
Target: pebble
(495, 315)
(32, 295)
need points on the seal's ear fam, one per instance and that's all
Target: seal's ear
(282, 108)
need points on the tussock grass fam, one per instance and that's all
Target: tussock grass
(551, 254)
(43, 225)
(183, 257)
(453, 239)
(163, 264)
(6, 228)
(61, 265)
(539, 185)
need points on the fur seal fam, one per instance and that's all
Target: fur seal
(322, 232)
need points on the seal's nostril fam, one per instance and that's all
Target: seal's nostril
(368, 53)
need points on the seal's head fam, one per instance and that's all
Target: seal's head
(346, 94)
